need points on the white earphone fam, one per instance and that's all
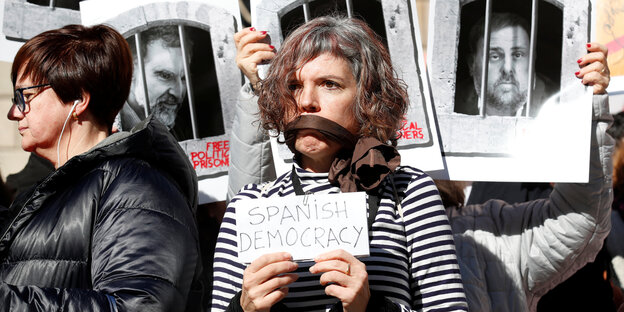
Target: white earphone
(58, 142)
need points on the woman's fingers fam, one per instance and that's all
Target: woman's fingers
(338, 254)
(251, 51)
(594, 70)
(265, 281)
(275, 269)
(331, 265)
(275, 296)
(352, 291)
(255, 53)
(265, 259)
(270, 285)
(597, 47)
(344, 277)
(247, 34)
(264, 302)
(335, 277)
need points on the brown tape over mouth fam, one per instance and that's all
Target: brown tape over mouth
(362, 164)
(326, 127)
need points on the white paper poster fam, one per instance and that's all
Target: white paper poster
(185, 74)
(305, 226)
(518, 133)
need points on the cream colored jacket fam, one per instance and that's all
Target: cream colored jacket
(511, 255)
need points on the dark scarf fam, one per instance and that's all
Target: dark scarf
(360, 165)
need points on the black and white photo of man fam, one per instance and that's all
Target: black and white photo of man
(508, 70)
(165, 78)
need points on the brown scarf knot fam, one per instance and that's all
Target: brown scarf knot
(364, 170)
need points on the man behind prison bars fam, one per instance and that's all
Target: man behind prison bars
(165, 78)
(508, 70)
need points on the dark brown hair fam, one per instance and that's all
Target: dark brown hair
(381, 99)
(76, 59)
(498, 21)
(451, 192)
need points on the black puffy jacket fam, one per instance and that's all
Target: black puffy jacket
(111, 230)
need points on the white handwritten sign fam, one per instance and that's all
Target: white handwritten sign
(304, 226)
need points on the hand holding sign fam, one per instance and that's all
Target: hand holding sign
(346, 278)
(265, 279)
(305, 226)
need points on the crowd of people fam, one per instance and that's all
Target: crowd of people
(113, 227)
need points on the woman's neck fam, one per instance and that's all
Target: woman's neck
(77, 139)
(317, 165)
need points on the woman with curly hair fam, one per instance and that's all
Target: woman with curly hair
(332, 91)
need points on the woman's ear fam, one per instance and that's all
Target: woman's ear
(82, 103)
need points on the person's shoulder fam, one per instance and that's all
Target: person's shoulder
(123, 164)
(409, 171)
(133, 175)
(250, 191)
(133, 183)
(408, 177)
(266, 189)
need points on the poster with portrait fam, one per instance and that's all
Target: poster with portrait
(396, 22)
(610, 32)
(514, 132)
(184, 74)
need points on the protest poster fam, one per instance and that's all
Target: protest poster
(22, 20)
(396, 22)
(305, 225)
(514, 132)
(185, 74)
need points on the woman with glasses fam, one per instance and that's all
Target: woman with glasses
(112, 228)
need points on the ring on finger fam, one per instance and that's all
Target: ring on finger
(348, 269)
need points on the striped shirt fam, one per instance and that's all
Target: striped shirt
(412, 258)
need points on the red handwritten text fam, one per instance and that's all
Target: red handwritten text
(411, 131)
(217, 155)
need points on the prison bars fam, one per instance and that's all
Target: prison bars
(486, 56)
(306, 9)
(187, 73)
(532, 56)
(137, 41)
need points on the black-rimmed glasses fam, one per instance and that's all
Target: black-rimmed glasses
(18, 96)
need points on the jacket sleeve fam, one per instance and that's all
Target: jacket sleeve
(251, 160)
(436, 283)
(144, 244)
(554, 237)
(576, 219)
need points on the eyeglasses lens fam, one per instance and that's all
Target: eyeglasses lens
(18, 100)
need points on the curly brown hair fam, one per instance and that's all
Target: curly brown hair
(381, 100)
